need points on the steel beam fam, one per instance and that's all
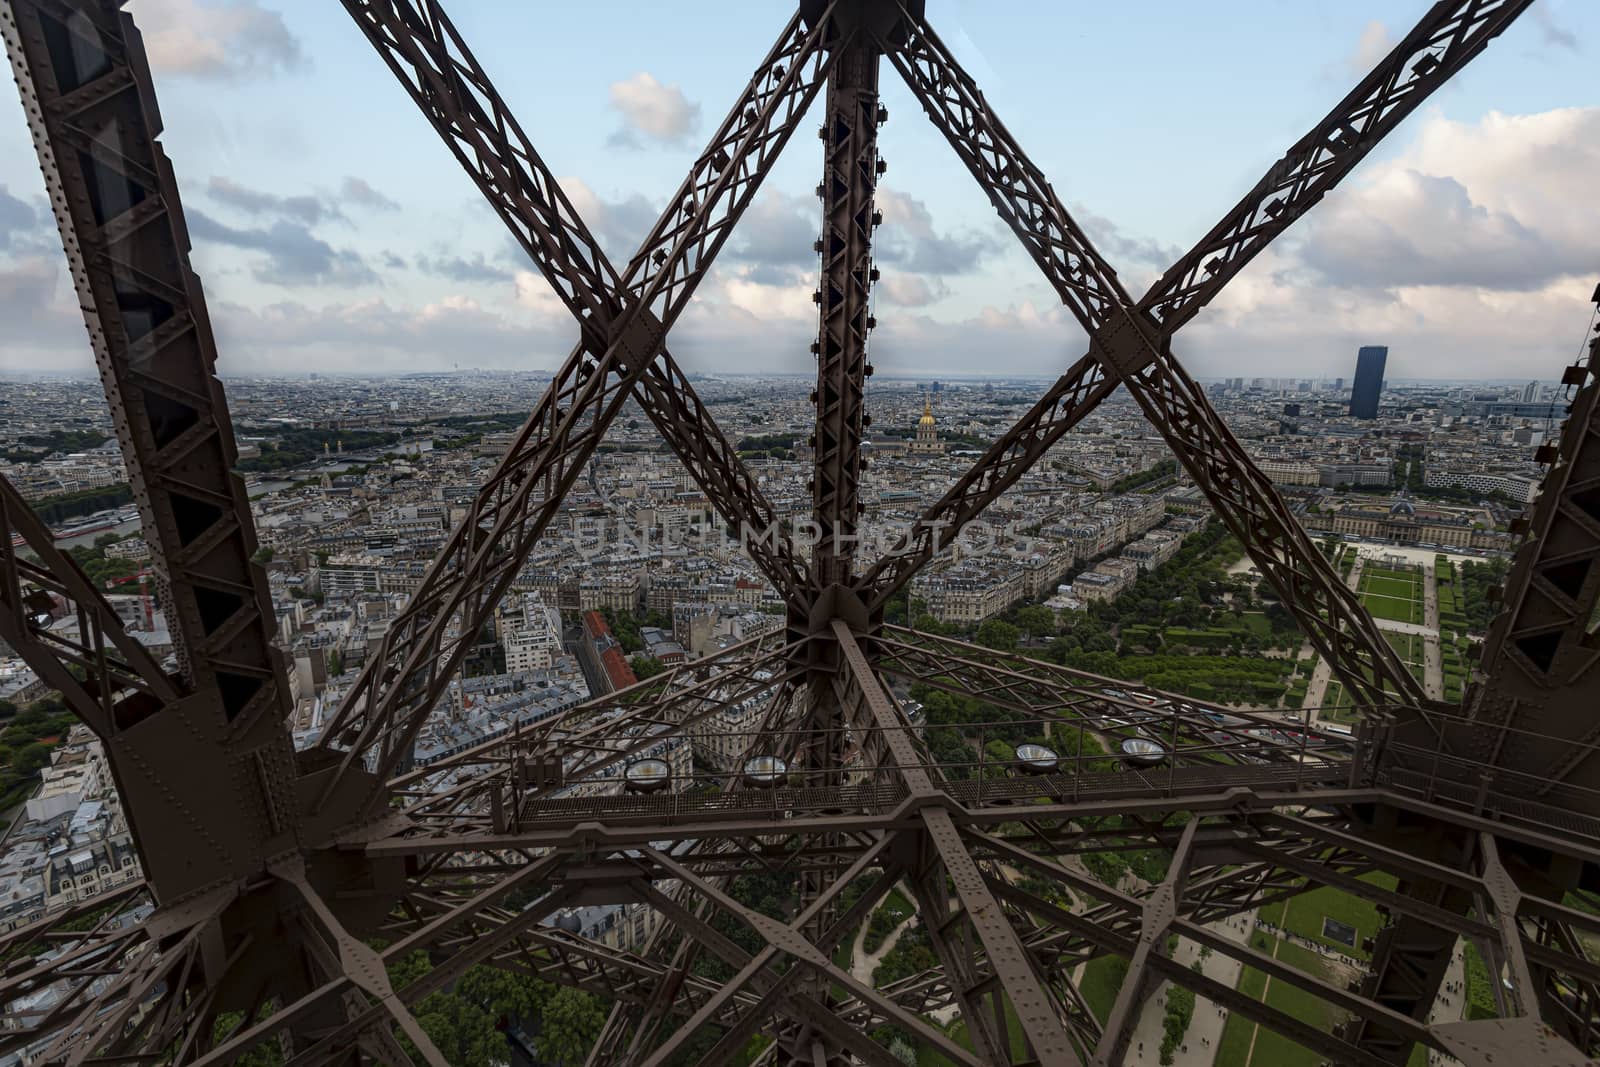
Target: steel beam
(439, 72)
(1130, 347)
(1531, 709)
(396, 690)
(1447, 37)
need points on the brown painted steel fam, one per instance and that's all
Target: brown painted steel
(1487, 816)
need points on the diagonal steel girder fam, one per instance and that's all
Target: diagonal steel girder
(1130, 347)
(85, 83)
(439, 72)
(1041, 1022)
(1530, 713)
(121, 680)
(590, 739)
(1447, 37)
(383, 711)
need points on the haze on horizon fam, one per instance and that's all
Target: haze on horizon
(335, 234)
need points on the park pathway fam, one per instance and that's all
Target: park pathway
(862, 963)
(1450, 1005)
(1317, 688)
(1432, 663)
(1200, 1041)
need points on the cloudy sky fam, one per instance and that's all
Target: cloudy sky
(333, 231)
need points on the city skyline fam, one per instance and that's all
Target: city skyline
(695, 707)
(1457, 241)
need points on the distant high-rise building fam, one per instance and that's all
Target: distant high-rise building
(1338, 385)
(1368, 385)
(936, 388)
(1530, 392)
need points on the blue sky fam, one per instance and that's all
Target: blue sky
(333, 231)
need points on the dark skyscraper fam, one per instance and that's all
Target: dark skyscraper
(1369, 381)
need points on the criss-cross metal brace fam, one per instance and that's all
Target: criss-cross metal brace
(1131, 347)
(422, 47)
(467, 857)
(589, 742)
(121, 682)
(397, 688)
(1447, 37)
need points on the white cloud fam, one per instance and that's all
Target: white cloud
(909, 238)
(619, 225)
(1262, 323)
(1373, 44)
(655, 110)
(1502, 203)
(43, 326)
(373, 336)
(216, 38)
(907, 290)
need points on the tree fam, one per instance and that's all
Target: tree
(463, 1032)
(335, 663)
(262, 555)
(895, 609)
(31, 758)
(1036, 620)
(998, 635)
(571, 1023)
(266, 1054)
(645, 666)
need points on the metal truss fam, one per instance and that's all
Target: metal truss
(282, 886)
(398, 687)
(1439, 46)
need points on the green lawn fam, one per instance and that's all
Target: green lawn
(1412, 573)
(1272, 1049)
(1407, 646)
(1102, 978)
(1395, 587)
(1389, 607)
(927, 1057)
(1337, 706)
(1411, 650)
(1304, 914)
(1391, 594)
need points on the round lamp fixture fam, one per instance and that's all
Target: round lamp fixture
(764, 771)
(1037, 759)
(647, 776)
(1143, 753)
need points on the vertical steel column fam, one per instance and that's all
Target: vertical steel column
(207, 782)
(850, 173)
(87, 93)
(850, 169)
(1410, 955)
(1533, 712)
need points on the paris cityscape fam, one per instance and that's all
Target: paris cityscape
(370, 694)
(354, 484)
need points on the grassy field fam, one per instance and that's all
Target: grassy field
(1304, 914)
(1336, 704)
(1392, 594)
(1270, 1048)
(1409, 647)
(1102, 978)
(927, 1057)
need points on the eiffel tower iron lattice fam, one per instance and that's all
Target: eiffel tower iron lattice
(282, 886)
